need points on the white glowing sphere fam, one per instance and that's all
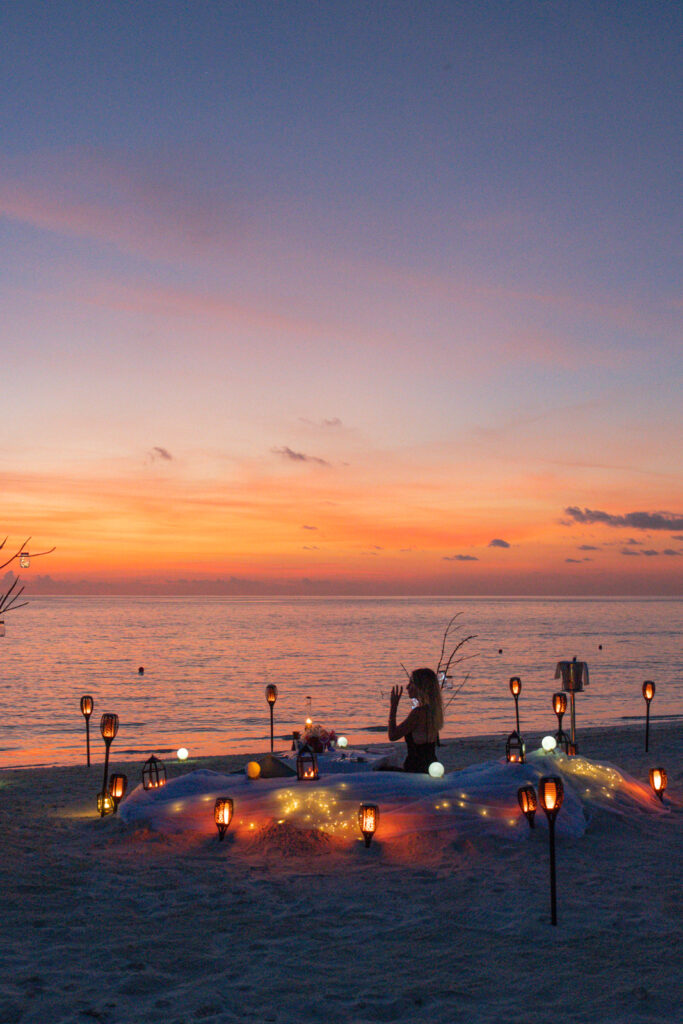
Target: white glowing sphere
(436, 770)
(342, 741)
(183, 754)
(548, 743)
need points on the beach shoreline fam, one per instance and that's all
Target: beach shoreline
(123, 925)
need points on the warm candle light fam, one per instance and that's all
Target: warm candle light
(271, 693)
(24, 560)
(117, 789)
(658, 781)
(105, 804)
(648, 689)
(109, 726)
(515, 686)
(559, 703)
(526, 796)
(222, 814)
(153, 773)
(514, 749)
(368, 820)
(648, 694)
(87, 705)
(306, 765)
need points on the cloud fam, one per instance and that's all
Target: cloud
(498, 543)
(327, 423)
(311, 547)
(305, 527)
(677, 538)
(576, 561)
(650, 552)
(634, 520)
(157, 452)
(633, 542)
(627, 551)
(671, 552)
(460, 558)
(287, 453)
(588, 547)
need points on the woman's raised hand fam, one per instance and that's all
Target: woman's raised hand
(395, 696)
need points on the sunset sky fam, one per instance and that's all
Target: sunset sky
(337, 297)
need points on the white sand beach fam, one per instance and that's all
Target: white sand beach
(124, 925)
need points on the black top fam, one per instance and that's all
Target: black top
(420, 755)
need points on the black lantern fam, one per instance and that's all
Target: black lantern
(560, 707)
(118, 785)
(105, 804)
(271, 697)
(368, 820)
(648, 694)
(526, 795)
(514, 749)
(658, 781)
(109, 726)
(153, 773)
(550, 796)
(515, 690)
(306, 764)
(223, 811)
(87, 705)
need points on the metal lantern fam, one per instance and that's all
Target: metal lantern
(648, 694)
(658, 781)
(550, 796)
(223, 811)
(118, 784)
(271, 697)
(105, 804)
(109, 726)
(153, 773)
(87, 705)
(368, 820)
(560, 707)
(526, 795)
(515, 690)
(306, 765)
(24, 560)
(514, 749)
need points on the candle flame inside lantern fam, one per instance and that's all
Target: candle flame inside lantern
(658, 781)
(368, 820)
(648, 689)
(271, 693)
(515, 686)
(109, 726)
(559, 703)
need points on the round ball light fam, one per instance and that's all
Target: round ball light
(436, 770)
(253, 769)
(183, 753)
(342, 741)
(548, 743)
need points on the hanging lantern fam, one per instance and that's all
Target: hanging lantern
(368, 820)
(2, 627)
(515, 686)
(658, 781)
(109, 726)
(105, 804)
(306, 765)
(223, 811)
(514, 749)
(117, 789)
(153, 773)
(526, 795)
(24, 560)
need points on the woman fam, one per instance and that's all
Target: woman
(422, 726)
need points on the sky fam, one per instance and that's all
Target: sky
(342, 298)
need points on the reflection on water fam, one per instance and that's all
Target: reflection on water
(207, 661)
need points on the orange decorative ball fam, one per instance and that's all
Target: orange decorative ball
(253, 769)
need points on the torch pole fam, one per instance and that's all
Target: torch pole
(87, 738)
(517, 712)
(572, 709)
(107, 744)
(553, 894)
(271, 728)
(647, 727)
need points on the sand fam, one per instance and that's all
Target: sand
(103, 922)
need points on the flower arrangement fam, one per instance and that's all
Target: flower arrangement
(319, 739)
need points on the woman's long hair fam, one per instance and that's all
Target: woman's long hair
(429, 694)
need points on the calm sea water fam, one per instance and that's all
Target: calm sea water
(207, 661)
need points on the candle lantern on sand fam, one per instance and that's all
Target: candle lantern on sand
(550, 796)
(306, 765)
(271, 697)
(105, 804)
(118, 785)
(223, 811)
(514, 749)
(109, 726)
(153, 773)
(658, 781)
(87, 705)
(526, 795)
(648, 694)
(368, 820)
(515, 690)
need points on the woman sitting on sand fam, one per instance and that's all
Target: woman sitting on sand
(422, 726)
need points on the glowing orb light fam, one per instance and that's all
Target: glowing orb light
(183, 753)
(342, 741)
(253, 769)
(436, 770)
(548, 743)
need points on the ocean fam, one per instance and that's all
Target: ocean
(207, 660)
